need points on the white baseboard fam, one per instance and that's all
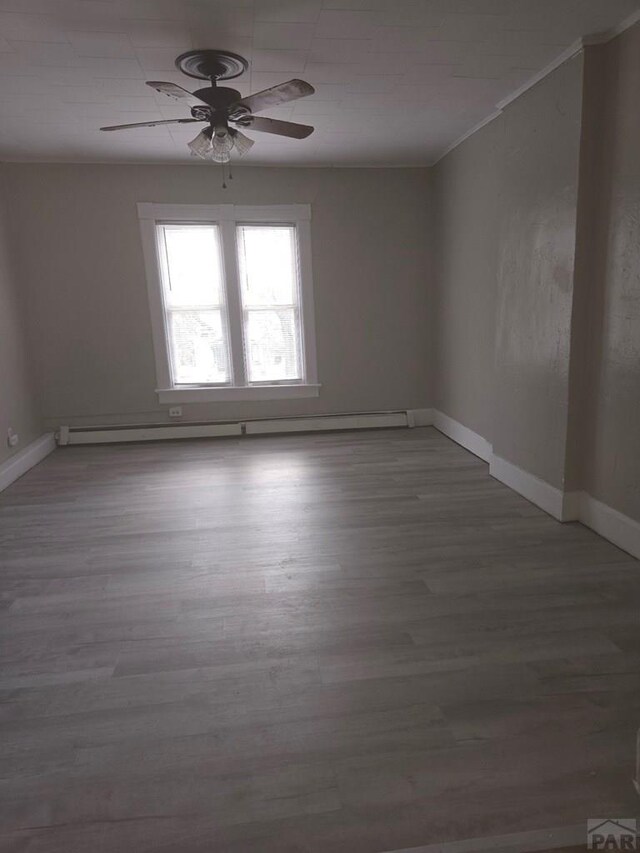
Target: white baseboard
(463, 436)
(607, 522)
(327, 422)
(571, 506)
(19, 464)
(563, 506)
(610, 524)
(532, 488)
(144, 433)
(162, 432)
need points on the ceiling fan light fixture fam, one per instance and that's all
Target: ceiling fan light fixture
(217, 105)
(201, 145)
(221, 145)
(241, 143)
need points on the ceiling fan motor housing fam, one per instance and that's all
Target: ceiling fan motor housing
(218, 97)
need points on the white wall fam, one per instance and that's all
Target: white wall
(80, 257)
(18, 397)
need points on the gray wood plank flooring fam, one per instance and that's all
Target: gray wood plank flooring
(347, 643)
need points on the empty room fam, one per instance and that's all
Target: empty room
(319, 426)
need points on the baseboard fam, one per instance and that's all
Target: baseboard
(571, 506)
(563, 506)
(22, 461)
(163, 432)
(610, 524)
(532, 488)
(327, 422)
(560, 505)
(121, 435)
(463, 436)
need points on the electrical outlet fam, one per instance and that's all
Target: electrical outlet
(12, 438)
(175, 412)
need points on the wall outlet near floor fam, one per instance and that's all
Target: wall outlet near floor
(175, 412)
(12, 438)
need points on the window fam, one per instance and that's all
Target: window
(231, 301)
(270, 304)
(194, 303)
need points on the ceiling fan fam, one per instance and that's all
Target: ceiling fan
(220, 106)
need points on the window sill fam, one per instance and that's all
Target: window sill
(252, 392)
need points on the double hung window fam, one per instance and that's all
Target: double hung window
(231, 301)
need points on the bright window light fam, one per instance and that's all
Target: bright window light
(231, 301)
(194, 299)
(267, 256)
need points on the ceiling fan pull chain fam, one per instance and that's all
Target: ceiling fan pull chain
(224, 183)
(230, 174)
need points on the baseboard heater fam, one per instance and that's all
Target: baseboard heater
(162, 432)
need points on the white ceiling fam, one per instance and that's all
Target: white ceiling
(397, 81)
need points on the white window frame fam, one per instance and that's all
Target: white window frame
(227, 216)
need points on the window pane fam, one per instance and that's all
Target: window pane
(267, 256)
(193, 265)
(198, 347)
(267, 261)
(272, 345)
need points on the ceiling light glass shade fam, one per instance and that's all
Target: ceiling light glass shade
(241, 143)
(201, 145)
(221, 145)
(217, 145)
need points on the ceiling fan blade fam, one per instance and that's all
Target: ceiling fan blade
(151, 123)
(176, 92)
(274, 125)
(280, 94)
(241, 143)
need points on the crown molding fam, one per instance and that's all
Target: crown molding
(573, 50)
(467, 134)
(569, 53)
(629, 22)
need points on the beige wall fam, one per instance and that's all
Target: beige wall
(87, 291)
(537, 297)
(467, 190)
(612, 413)
(539, 189)
(18, 399)
(506, 220)
(588, 234)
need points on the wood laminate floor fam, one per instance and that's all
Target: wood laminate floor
(345, 643)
